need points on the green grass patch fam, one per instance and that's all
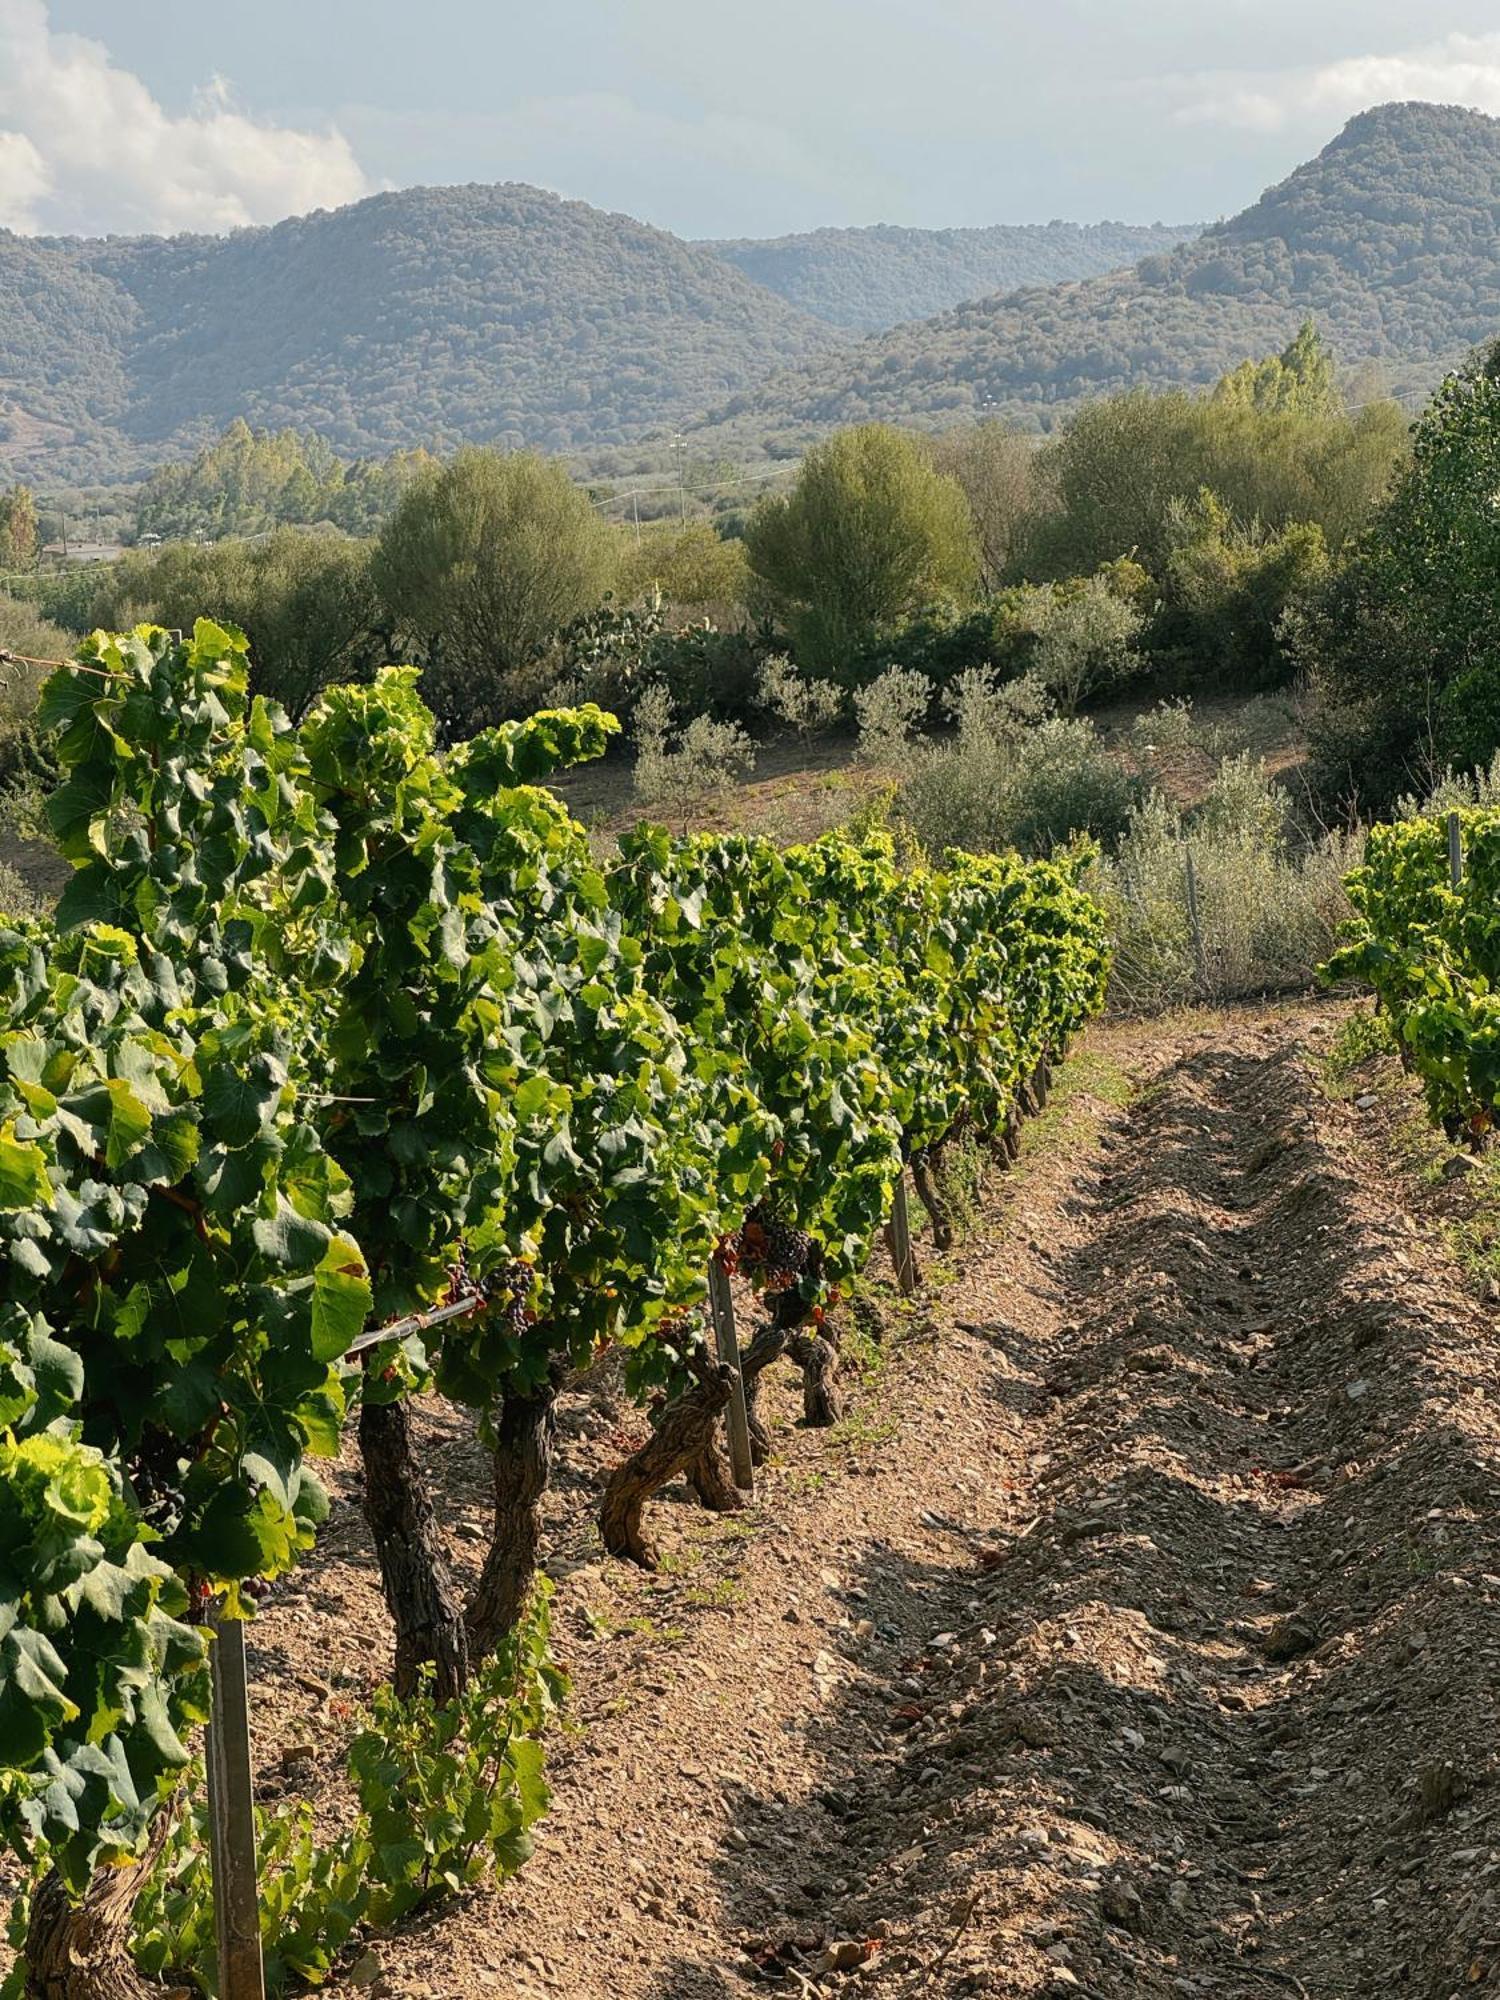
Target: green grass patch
(1088, 1083)
(1361, 1056)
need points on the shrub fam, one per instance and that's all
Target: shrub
(684, 563)
(303, 597)
(676, 769)
(1075, 637)
(601, 655)
(709, 671)
(1068, 783)
(485, 559)
(805, 706)
(870, 531)
(891, 710)
(1015, 775)
(939, 641)
(1269, 905)
(1230, 589)
(611, 654)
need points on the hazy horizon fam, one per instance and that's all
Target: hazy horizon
(119, 116)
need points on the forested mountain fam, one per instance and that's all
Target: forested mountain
(1388, 239)
(427, 317)
(504, 314)
(871, 279)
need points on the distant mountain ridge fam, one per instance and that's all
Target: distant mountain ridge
(505, 314)
(428, 316)
(1389, 238)
(870, 280)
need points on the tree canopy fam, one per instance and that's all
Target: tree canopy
(870, 531)
(485, 559)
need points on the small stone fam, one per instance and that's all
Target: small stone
(1366, 1101)
(1121, 1902)
(1288, 1638)
(844, 1955)
(366, 1969)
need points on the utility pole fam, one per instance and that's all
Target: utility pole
(679, 445)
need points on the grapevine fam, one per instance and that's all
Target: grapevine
(333, 1027)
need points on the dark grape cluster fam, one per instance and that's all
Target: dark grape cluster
(156, 1474)
(769, 1250)
(510, 1292)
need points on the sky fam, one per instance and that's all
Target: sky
(703, 117)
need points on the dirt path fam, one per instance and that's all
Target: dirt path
(1137, 1634)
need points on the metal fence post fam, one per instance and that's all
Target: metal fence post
(231, 1815)
(1455, 851)
(727, 1343)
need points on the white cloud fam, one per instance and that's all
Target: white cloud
(85, 147)
(1459, 69)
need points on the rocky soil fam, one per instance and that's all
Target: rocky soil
(1136, 1633)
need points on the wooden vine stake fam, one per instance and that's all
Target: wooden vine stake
(1455, 851)
(900, 1241)
(231, 1813)
(727, 1342)
(1195, 922)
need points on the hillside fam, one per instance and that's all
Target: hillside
(1388, 238)
(430, 316)
(869, 280)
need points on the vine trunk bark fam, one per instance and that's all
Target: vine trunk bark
(710, 1479)
(684, 1430)
(525, 1432)
(420, 1593)
(768, 1345)
(817, 1355)
(81, 1951)
(938, 1213)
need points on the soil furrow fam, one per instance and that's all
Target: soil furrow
(1135, 1634)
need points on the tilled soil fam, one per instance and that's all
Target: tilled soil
(1137, 1633)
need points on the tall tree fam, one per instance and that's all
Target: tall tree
(997, 469)
(870, 531)
(1300, 378)
(305, 600)
(1405, 650)
(485, 559)
(20, 534)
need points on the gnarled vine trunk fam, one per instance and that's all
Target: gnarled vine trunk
(710, 1479)
(81, 1951)
(525, 1432)
(768, 1345)
(420, 1593)
(938, 1214)
(817, 1355)
(683, 1431)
